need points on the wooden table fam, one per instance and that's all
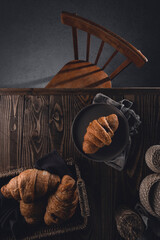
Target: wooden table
(33, 122)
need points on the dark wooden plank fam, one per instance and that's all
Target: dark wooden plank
(35, 142)
(11, 126)
(5, 108)
(56, 123)
(60, 119)
(16, 130)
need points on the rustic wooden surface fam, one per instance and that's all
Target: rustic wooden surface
(33, 122)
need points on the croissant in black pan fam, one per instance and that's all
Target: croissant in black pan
(99, 133)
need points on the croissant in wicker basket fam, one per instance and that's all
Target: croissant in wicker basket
(30, 185)
(33, 213)
(32, 188)
(99, 133)
(149, 193)
(61, 205)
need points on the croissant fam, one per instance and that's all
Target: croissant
(33, 212)
(62, 204)
(99, 133)
(30, 185)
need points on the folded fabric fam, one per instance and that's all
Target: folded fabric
(133, 121)
(53, 163)
(10, 218)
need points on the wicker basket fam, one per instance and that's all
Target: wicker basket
(129, 224)
(149, 194)
(77, 222)
(152, 158)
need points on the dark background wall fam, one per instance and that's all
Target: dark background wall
(34, 44)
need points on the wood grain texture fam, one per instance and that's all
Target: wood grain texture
(80, 74)
(35, 140)
(11, 125)
(44, 120)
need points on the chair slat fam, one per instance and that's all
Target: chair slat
(120, 68)
(75, 42)
(99, 52)
(88, 46)
(99, 82)
(109, 60)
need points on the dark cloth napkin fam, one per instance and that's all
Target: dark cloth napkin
(53, 163)
(10, 218)
(133, 121)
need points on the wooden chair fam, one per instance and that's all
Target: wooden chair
(83, 74)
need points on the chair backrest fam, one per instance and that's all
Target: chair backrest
(119, 44)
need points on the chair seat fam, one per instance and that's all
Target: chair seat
(80, 74)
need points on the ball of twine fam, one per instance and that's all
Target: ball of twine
(129, 224)
(149, 194)
(156, 199)
(152, 158)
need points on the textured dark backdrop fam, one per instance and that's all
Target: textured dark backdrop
(34, 44)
